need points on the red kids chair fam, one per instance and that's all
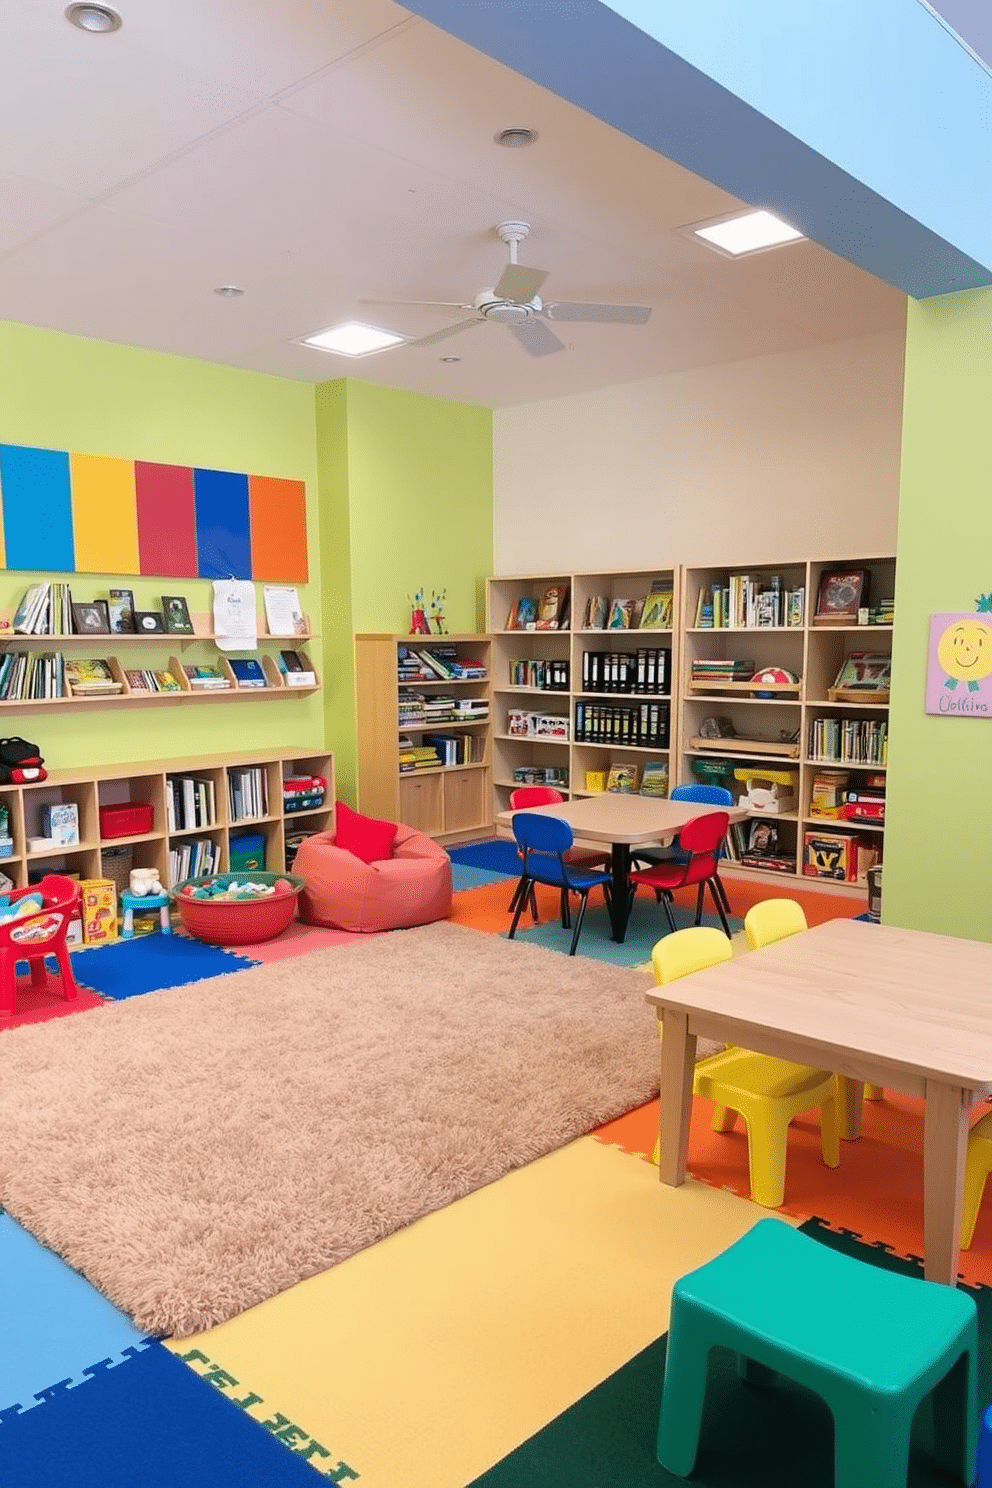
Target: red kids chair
(701, 840)
(34, 936)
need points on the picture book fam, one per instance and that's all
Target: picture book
(621, 614)
(60, 822)
(596, 612)
(623, 780)
(526, 613)
(551, 606)
(865, 671)
(90, 677)
(654, 778)
(175, 613)
(202, 677)
(291, 662)
(139, 680)
(248, 671)
(121, 607)
(166, 682)
(657, 611)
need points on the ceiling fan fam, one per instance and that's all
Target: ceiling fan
(514, 302)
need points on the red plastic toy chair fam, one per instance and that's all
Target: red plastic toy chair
(701, 840)
(36, 936)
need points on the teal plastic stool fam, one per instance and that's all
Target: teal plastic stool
(872, 1344)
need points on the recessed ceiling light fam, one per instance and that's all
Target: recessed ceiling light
(229, 291)
(742, 233)
(93, 17)
(515, 138)
(451, 359)
(352, 339)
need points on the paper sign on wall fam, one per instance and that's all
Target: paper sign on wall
(959, 664)
(235, 621)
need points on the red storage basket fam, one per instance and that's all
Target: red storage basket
(126, 819)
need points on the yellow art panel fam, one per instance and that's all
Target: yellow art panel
(104, 514)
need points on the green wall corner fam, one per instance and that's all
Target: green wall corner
(938, 834)
(406, 495)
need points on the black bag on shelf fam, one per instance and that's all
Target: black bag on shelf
(20, 762)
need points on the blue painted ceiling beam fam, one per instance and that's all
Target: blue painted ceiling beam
(807, 143)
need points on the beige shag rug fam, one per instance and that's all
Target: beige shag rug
(195, 1151)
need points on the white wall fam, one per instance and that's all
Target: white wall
(779, 458)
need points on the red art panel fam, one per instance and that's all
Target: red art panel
(166, 519)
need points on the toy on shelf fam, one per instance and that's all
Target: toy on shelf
(419, 623)
(713, 771)
(767, 791)
(144, 881)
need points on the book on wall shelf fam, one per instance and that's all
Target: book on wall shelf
(206, 678)
(248, 671)
(283, 612)
(90, 677)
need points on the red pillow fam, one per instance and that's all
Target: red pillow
(367, 838)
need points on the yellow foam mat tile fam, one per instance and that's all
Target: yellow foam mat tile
(425, 1359)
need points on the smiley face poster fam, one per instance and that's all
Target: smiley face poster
(959, 667)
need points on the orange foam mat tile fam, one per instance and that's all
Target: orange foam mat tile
(426, 1358)
(818, 907)
(488, 907)
(877, 1191)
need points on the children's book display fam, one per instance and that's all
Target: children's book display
(654, 778)
(652, 611)
(206, 678)
(623, 780)
(90, 677)
(864, 675)
(248, 671)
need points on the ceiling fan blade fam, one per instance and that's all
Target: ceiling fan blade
(535, 337)
(463, 325)
(604, 314)
(433, 304)
(518, 282)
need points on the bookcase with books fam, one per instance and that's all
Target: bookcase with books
(582, 680)
(177, 815)
(424, 732)
(784, 700)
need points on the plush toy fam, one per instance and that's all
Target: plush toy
(20, 763)
(145, 881)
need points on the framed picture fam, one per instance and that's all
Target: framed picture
(91, 617)
(148, 622)
(842, 593)
(176, 613)
(121, 611)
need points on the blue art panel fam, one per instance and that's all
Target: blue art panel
(223, 525)
(37, 508)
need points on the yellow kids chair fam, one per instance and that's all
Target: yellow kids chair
(978, 1165)
(767, 1092)
(773, 919)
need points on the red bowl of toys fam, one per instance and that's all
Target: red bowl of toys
(223, 910)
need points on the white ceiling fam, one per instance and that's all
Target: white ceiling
(318, 152)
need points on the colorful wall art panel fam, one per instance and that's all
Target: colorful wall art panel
(76, 513)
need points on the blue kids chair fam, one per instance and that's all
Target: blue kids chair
(543, 842)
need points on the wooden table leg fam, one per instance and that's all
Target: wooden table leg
(851, 1096)
(678, 1062)
(945, 1137)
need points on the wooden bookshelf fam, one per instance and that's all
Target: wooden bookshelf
(450, 802)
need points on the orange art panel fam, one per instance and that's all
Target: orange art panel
(278, 530)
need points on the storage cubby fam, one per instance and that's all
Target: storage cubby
(116, 788)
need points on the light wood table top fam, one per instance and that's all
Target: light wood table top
(902, 1008)
(630, 819)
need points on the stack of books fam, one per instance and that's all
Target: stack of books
(25, 676)
(190, 801)
(472, 710)
(882, 613)
(247, 792)
(248, 672)
(90, 678)
(142, 679)
(722, 669)
(417, 757)
(202, 678)
(46, 609)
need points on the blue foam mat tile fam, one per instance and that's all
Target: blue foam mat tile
(647, 925)
(53, 1324)
(474, 878)
(151, 1423)
(150, 963)
(493, 857)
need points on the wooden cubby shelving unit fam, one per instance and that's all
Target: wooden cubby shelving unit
(569, 644)
(815, 654)
(110, 785)
(452, 803)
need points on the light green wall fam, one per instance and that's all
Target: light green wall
(95, 397)
(412, 510)
(938, 835)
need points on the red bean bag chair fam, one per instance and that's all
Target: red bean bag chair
(371, 875)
